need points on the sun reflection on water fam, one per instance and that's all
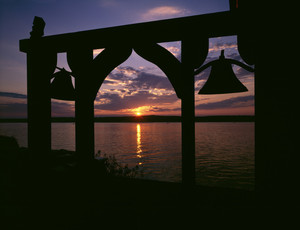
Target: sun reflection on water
(138, 143)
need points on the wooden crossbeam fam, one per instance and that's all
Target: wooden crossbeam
(209, 25)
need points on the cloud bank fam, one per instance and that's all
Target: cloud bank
(236, 102)
(13, 95)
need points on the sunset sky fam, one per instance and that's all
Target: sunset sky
(134, 86)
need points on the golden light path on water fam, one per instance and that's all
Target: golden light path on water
(138, 143)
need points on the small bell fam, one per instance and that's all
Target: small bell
(61, 87)
(222, 78)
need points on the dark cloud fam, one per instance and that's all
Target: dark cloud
(135, 79)
(19, 110)
(123, 73)
(13, 110)
(221, 45)
(160, 109)
(140, 98)
(228, 103)
(13, 95)
(109, 82)
(242, 73)
(234, 56)
(203, 75)
(62, 109)
(150, 81)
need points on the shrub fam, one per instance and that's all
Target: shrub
(116, 169)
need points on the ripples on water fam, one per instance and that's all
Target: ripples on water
(225, 154)
(224, 151)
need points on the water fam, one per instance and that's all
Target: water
(224, 151)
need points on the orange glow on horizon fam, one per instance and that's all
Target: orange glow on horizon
(138, 113)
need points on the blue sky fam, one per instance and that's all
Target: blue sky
(134, 86)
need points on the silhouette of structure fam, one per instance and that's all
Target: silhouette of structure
(222, 78)
(90, 72)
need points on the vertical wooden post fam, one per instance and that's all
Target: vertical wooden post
(84, 117)
(40, 66)
(84, 107)
(188, 116)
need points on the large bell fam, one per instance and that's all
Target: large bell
(61, 87)
(222, 78)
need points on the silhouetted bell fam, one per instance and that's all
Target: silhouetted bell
(62, 87)
(222, 78)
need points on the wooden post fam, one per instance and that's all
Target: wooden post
(188, 116)
(80, 63)
(40, 66)
(84, 117)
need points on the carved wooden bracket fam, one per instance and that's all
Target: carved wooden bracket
(92, 72)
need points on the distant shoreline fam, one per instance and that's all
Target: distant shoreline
(151, 118)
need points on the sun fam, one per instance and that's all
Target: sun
(138, 113)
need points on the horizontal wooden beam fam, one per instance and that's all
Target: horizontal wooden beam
(210, 25)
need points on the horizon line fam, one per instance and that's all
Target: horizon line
(147, 118)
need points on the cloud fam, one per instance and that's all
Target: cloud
(241, 73)
(222, 46)
(17, 108)
(13, 110)
(122, 74)
(237, 102)
(157, 109)
(62, 109)
(97, 51)
(128, 80)
(13, 95)
(13, 105)
(164, 12)
(114, 102)
(150, 81)
(176, 51)
(127, 71)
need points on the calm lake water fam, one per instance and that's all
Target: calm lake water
(224, 151)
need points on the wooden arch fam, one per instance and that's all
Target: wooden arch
(193, 32)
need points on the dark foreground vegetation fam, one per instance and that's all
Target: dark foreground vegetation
(58, 192)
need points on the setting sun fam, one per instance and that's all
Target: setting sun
(138, 113)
